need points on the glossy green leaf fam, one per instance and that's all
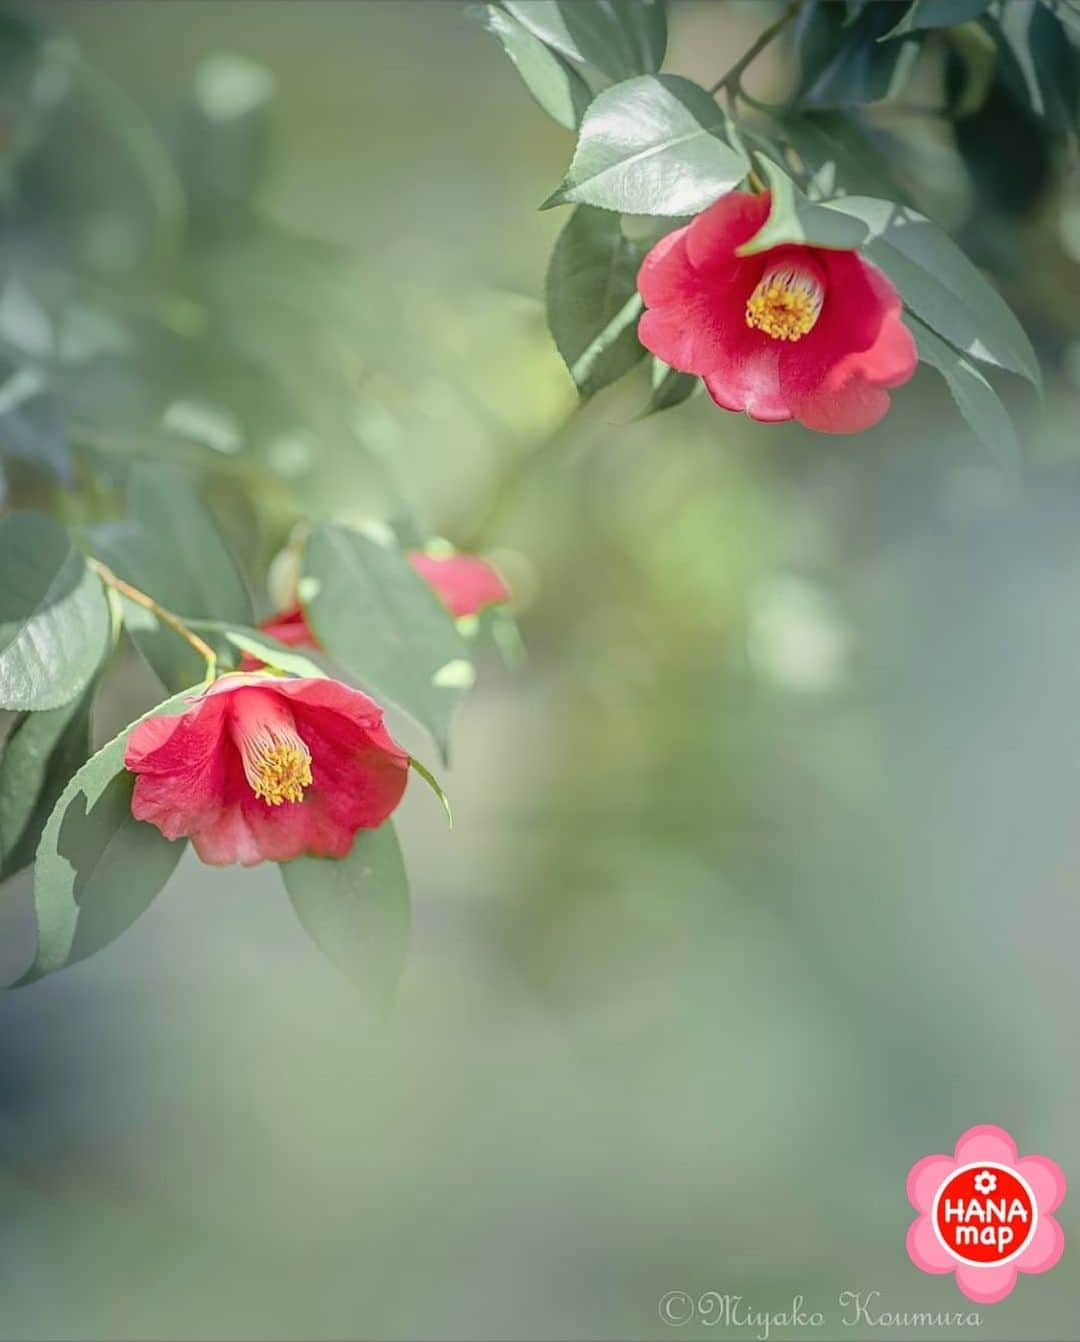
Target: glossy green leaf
(933, 276)
(652, 145)
(670, 388)
(41, 753)
(54, 619)
(97, 868)
(795, 218)
(975, 398)
(620, 38)
(356, 908)
(555, 84)
(936, 14)
(592, 299)
(171, 549)
(383, 625)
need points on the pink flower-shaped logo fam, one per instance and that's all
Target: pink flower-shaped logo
(985, 1214)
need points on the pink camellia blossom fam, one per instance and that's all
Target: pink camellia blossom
(466, 584)
(267, 768)
(985, 1214)
(795, 332)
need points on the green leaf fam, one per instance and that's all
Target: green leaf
(555, 85)
(976, 399)
(652, 145)
(936, 14)
(97, 867)
(269, 650)
(933, 276)
(170, 548)
(356, 909)
(842, 63)
(41, 753)
(436, 787)
(592, 299)
(620, 38)
(795, 218)
(669, 388)
(54, 620)
(383, 625)
(940, 285)
(31, 420)
(1038, 61)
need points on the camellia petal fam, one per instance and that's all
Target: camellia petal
(466, 584)
(793, 332)
(267, 768)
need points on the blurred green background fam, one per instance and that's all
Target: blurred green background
(763, 879)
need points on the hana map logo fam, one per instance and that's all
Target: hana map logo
(985, 1214)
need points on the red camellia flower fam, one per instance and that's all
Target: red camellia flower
(266, 768)
(803, 333)
(465, 583)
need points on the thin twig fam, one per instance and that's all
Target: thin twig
(174, 622)
(730, 81)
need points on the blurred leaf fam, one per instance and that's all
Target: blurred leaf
(842, 63)
(555, 85)
(384, 625)
(170, 548)
(976, 399)
(936, 14)
(846, 144)
(934, 277)
(852, 10)
(37, 67)
(620, 38)
(41, 753)
(652, 145)
(1039, 61)
(54, 621)
(97, 867)
(592, 299)
(31, 423)
(356, 908)
(669, 388)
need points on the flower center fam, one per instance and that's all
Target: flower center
(786, 302)
(277, 763)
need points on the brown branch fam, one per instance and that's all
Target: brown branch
(730, 81)
(174, 622)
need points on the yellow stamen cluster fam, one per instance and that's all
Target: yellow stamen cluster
(785, 304)
(277, 767)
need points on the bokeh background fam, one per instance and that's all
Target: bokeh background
(763, 882)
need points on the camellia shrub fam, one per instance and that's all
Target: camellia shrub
(771, 253)
(766, 252)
